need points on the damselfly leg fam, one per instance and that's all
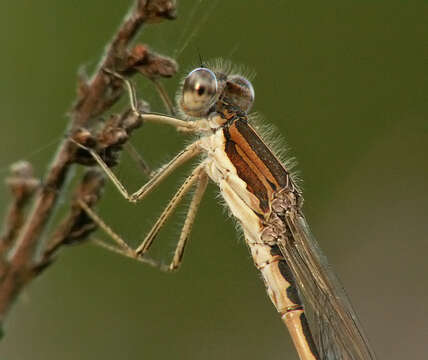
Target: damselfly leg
(181, 158)
(197, 179)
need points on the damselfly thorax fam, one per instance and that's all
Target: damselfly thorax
(261, 194)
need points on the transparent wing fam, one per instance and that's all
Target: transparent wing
(334, 324)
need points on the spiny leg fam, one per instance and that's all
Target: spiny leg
(201, 186)
(188, 153)
(145, 260)
(180, 125)
(185, 155)
(169, 106)
(163, 119)
(142, 164)
(169, 209)
(122, 247)
(182, 157)
(199, 177)
(129, 148)
(107, 229)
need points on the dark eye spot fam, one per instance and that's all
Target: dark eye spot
(201, 90)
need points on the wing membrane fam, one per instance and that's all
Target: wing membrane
(334, 323)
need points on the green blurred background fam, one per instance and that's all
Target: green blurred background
(345, 82)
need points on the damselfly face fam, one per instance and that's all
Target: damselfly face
(205, 91)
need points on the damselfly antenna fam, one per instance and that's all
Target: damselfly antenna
(201, 62)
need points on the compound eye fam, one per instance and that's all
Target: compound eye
(199, 92)
(243, 95)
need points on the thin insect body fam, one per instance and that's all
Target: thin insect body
(262, 195)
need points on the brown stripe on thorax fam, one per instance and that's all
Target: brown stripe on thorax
(246, 171)
(254, 162)
(266, 184)
(251, 143)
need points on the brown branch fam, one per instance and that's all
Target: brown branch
(22, 185)
(94, 98)
(77, 225)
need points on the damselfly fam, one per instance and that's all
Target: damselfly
(263, 196)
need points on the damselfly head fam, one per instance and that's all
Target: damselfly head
(203, 88)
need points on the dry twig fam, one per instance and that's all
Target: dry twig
(23, 253)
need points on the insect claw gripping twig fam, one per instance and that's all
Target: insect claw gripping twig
(131, 90)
